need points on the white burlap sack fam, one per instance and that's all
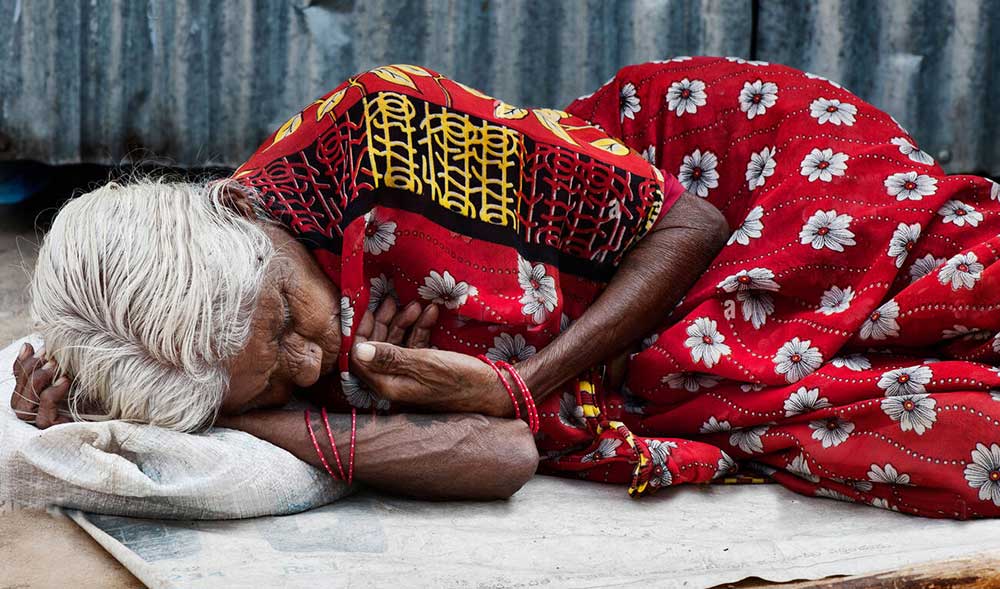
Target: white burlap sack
(124, 469)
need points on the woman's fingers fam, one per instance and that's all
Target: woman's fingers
(383, 317)
(420, 333)
(51, 399)
(24, 401)
(27, 351)
(402, 322)
(364, 330)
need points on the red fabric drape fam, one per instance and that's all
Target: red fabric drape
(843, 342)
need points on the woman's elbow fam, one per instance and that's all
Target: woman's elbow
(515, 457)
(716, 227)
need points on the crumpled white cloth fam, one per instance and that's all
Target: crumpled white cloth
(125, 469)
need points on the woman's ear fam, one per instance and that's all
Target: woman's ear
(237, 198)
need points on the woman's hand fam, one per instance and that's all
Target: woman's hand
(434, 380)
(410, 326)
(37, 398)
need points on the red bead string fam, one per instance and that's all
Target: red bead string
(319, 451)
(529, 401)
(333, 445)
(354, 429)
(348, 477)
(506, 385)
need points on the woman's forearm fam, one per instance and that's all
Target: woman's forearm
(647, 285)
(464, 456)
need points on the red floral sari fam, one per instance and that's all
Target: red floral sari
(842, 343)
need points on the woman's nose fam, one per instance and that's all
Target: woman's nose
(305, 360)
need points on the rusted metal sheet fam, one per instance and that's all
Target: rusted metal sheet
(934, 66)
(201, 82)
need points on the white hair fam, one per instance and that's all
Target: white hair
(142, 292)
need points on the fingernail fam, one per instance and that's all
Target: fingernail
(364, 352)
(50, 365)
(24, 353)
(59, 381)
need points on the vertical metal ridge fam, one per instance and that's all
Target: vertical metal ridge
(203, 82)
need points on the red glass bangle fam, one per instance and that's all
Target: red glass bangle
(333, 444)
(354, 429)
(319, 451)
(506, 385)
(529, 401)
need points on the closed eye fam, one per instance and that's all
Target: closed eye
(286, 318)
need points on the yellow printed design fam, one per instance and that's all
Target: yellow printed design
(389, 118)
(468, 167)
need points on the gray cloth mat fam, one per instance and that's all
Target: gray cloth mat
(553, 533)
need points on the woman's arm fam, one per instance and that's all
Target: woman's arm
(441, 457)
(645, 288)
(647, 285)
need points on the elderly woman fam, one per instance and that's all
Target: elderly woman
(643, 347)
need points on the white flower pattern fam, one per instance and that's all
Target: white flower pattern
(697, 173)
(855, 362)
(607, 448)
(705, 342)
(913, 412)
(827, 229)
(823, 165)
(760, 167)
(714, 426)
(910, 186)
(750, 439)
(750, 228)
(381, 287)
(757, 97)
(685, 96)
(831, 432)
(691, 381)
(924, 266)
(983, 473)
(881, 324)
(359, 395)
(540, 296)
(910, 380)
(835, 300)
(912, 151)
(346, 316)
(961, 271)
(887, 475)
(805, 401)
(903, 240)
(380, 235)
(960, 214)
(443, 289)
(833, 111)
(799, 466)
(628, 102)
(796, 359)
(510, 348)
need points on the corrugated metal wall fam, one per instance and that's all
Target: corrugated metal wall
(203, 82)
(934, 65)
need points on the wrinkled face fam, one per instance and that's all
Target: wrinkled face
(295, 334)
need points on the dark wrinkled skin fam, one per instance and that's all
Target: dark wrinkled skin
(473, 451)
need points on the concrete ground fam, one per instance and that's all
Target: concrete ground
(38, 550)
(18, 245)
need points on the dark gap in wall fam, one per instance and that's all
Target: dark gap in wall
(754, 21)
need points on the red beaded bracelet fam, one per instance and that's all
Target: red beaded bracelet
(354, 429)
(506, 385)
(333, 445)
(529, 401)
(319, 451)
